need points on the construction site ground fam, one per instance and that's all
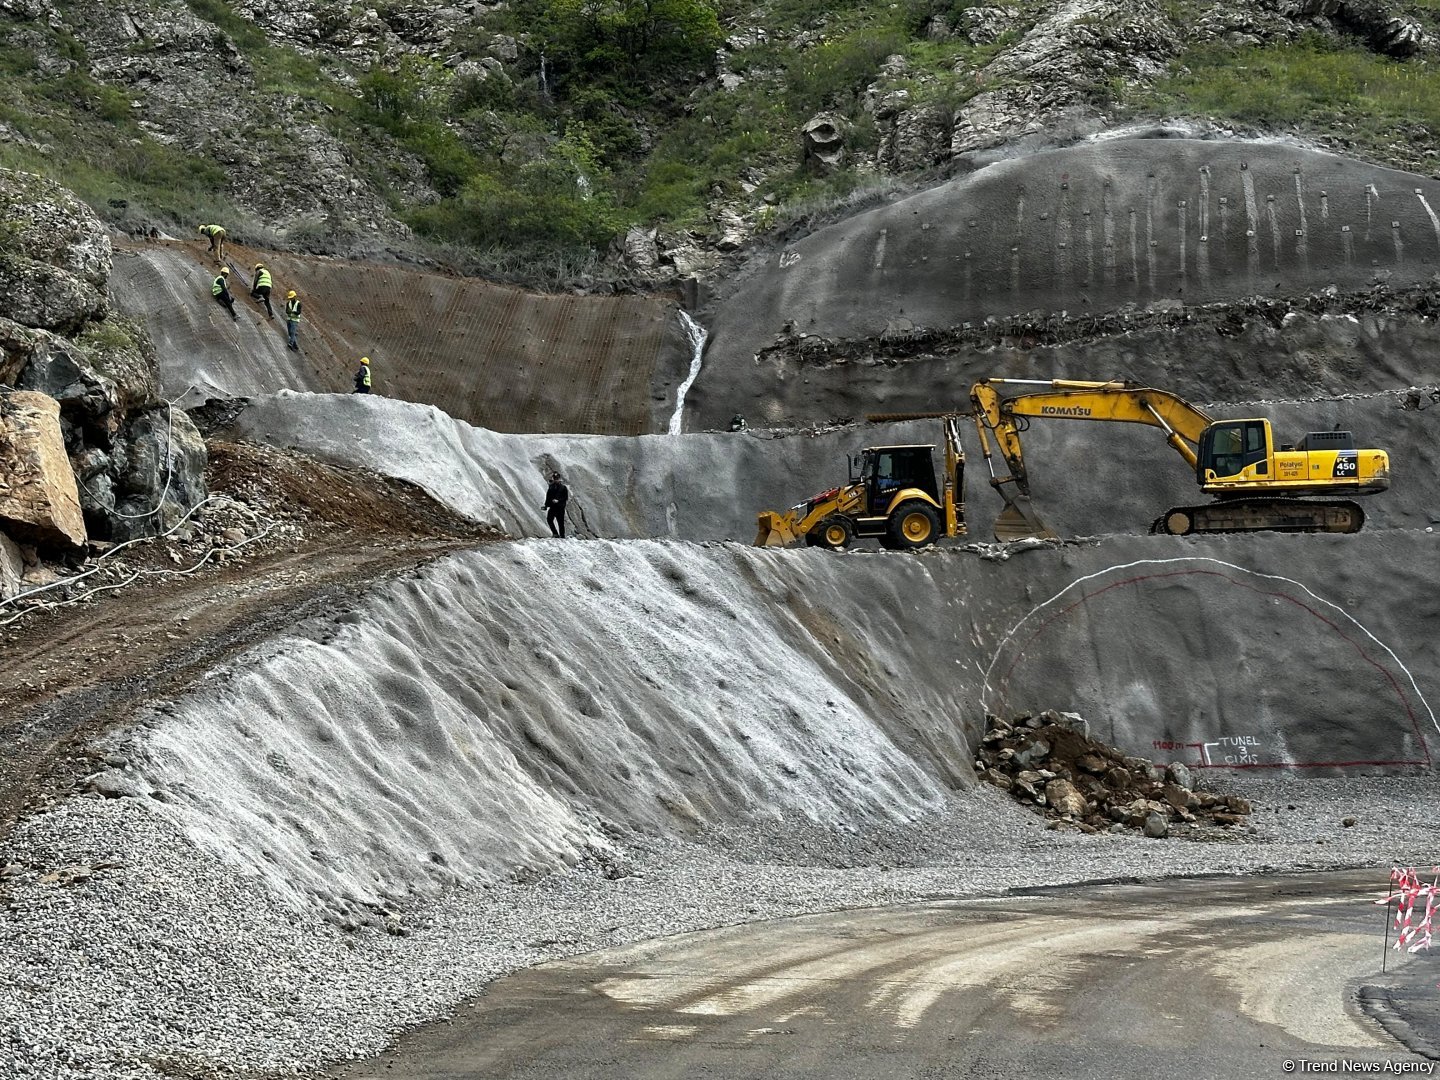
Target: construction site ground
(261, 819)
(73, 670)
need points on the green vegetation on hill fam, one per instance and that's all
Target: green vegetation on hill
(610, 113)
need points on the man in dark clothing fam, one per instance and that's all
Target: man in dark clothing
(220, 290)
(260, 293)
(556, 496)
(362, 377)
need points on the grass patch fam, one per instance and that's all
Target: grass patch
(1312, 83)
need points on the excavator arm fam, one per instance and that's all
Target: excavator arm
(1002, 418)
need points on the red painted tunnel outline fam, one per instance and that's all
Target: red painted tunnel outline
(1386, 673)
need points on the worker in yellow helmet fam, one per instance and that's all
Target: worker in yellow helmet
(260, 290)
(292, 321)
(216, 233)
(362, 377)
(220, 290)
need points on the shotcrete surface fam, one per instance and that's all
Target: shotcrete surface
(1116, 226)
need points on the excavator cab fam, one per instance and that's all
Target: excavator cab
(1231, 447)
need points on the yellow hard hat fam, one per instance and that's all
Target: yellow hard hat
(365, 359)
(199, 228)
(259, 266)
(225, 270)
(290, 295)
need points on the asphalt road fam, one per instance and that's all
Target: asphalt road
(1213, 978)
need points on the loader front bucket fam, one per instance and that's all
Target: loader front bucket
(1017, 522)
(775, 529)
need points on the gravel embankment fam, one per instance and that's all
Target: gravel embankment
(146, 957)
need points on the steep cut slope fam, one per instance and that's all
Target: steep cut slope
(1088, 479)
(1108, 248)
(444, 733)
(495, 355)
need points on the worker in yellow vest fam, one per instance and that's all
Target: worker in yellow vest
(260, 291)
(362, 377)
(220, 290)
(216, 233)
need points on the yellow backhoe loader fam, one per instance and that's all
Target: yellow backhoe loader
(893, 495)
(1258, 486)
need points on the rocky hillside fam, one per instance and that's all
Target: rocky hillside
(88, 450)
(527, 138)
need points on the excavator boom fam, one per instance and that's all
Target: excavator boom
(1260, 488)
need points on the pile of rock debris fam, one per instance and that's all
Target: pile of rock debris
(1051, 765)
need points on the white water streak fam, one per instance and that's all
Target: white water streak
(696, 333)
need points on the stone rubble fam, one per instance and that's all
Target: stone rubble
(1052, 767)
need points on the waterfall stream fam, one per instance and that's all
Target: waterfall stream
(696, 333)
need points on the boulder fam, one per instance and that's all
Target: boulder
(39, 501)
(641, 251)
(1063, 798)
(1156, 827)
(1179, 773)
(823, 140)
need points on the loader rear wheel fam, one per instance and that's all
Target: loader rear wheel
(913, 525)
(835, 533)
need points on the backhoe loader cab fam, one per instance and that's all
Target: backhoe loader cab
(894, 496)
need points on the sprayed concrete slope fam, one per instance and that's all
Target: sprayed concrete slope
(1111, 226)
(504, 357)
(511, 708)
(1088, 479)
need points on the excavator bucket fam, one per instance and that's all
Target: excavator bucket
(775, 530)
(1017, 522)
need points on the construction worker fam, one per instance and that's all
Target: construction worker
(260, 291)
(292, 321)
(556, 496)
(362, 377)
(220, 290)
(216, 233)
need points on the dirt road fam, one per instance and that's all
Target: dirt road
(1215, 978)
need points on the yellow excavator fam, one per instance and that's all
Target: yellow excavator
(1258, 486)
(893, 495)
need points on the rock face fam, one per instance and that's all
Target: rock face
(39, 501)
(1049, 764)
(136, 468)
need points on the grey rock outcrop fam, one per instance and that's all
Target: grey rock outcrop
(823, 141)
(54, 255)
(164, 476)
(1054, 68)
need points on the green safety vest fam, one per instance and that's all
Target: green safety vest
(212, 230)
(362, 377)
(219, 286)
(292, 310)
(262, 279)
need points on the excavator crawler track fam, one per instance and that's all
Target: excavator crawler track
(1261, 515)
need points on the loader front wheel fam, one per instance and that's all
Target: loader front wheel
(835, 533)
(913, 525)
